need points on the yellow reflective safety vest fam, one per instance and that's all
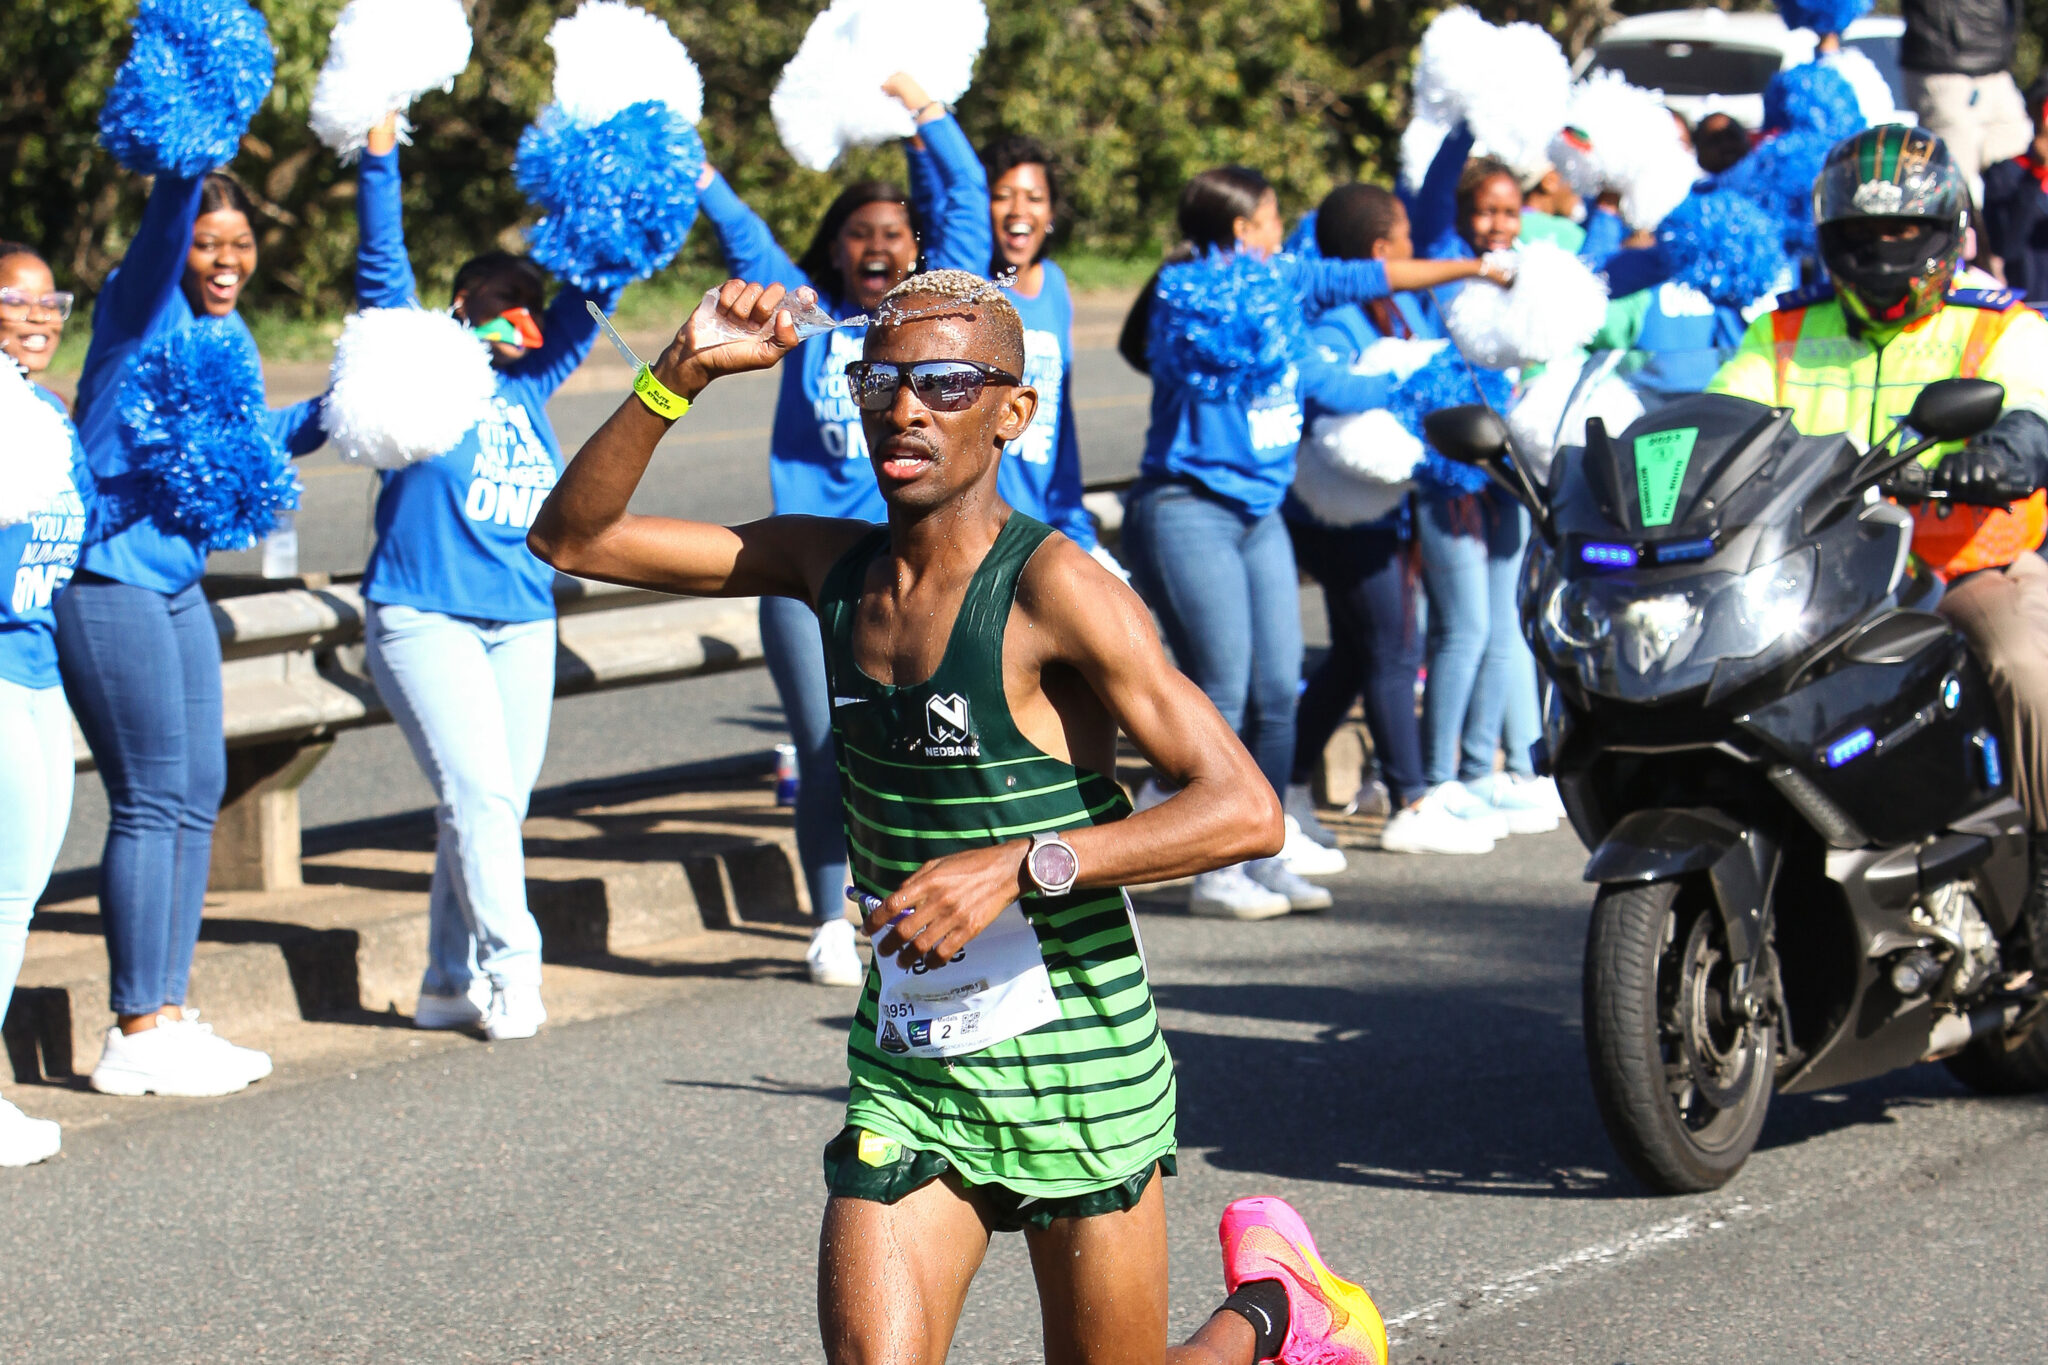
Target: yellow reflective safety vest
(1803, 357)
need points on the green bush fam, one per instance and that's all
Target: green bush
(1133, 95)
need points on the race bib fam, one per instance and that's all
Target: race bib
(994, 989)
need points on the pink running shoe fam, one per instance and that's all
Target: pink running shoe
(1329, 1321)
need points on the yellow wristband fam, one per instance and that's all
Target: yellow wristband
(657, 395)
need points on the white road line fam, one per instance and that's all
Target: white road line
(1527, 1284)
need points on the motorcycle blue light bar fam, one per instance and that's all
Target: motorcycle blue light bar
(1685, 551)
(1608, 556)
(1855, 744)
(1994, 770)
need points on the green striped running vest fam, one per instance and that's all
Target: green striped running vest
(1087, 1099)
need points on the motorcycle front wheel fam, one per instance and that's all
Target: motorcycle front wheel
(1683, 1080)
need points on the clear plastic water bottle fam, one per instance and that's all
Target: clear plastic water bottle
(281, 548)
(785, 775)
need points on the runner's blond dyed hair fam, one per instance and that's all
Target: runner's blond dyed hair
(966, 288)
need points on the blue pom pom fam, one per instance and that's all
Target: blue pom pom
(1822, 16)
(205, 465)
(1302, 241)
(1725, 246)
(196, 72)
(1812, 99)
(1226, 325)
(1447, 381)
(618, 197)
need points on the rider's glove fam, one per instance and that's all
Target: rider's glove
(1985, 473)
(1907, 483)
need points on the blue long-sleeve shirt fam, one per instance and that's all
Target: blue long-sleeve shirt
(451, 530)
(817, 452)
(1243, 453)
(1040, 474)
(142, 301)
(37, 558)
(1433, 205)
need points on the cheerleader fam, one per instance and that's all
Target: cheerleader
(169, 412)
(867, 243)
(42, 523)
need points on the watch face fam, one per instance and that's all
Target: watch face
(1054, 865)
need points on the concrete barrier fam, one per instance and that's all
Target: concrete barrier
(293, 677)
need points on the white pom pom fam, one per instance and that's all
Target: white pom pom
(609, 56)
(1509, 85)
(830, 96)
(1355, 468)
(381, 56)
(35, 461)
(406, 385)
(1873, 96)
(1398, 356)
(1553, 308)
(1621, 137)
(1540, 423)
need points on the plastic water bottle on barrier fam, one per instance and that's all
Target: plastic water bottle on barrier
(786, 775)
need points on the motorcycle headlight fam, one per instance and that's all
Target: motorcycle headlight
(1634, 639)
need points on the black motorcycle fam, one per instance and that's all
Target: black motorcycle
(1788, 768)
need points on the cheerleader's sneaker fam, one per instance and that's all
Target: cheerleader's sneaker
(25, 1141)
(516, 1012)
(1329, 1321)
(165, 1061)
(1460, 801)
(1228, 893)
(1307, 858)
(1528, 804)
(463, 1011)
(833, 958)
(1427, 827)
(1276, 876)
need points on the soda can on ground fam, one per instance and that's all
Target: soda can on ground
(785, 774)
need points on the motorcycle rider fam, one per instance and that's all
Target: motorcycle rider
(1853, 354)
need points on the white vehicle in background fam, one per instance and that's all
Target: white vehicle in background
(1709, 60)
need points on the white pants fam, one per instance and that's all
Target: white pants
(1983, 119)
(472, 699)
(35, 807)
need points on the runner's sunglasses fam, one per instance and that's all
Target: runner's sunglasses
(59, 304)
(941, 385)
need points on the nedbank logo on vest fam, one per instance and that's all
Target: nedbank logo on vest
(950, 728)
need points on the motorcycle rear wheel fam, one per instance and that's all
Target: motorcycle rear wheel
(1682, 1080)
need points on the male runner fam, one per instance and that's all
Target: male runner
(1007, 1066)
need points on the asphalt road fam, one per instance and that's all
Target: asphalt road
(713, 466)
(1406, 1069)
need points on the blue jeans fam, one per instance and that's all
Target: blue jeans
(473, 699)
(1481, 693)
(142, 671)
(795, 652)
(1225, 588)
(1375, 639)
(35, 806)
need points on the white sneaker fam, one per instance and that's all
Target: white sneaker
(516, 1012)
(1458, 801)
(467, 1010)
(1276, 876)
(1426, 827)
(833, 957)
(1150, 794)
(1227, 893)
(238, 1061)
(1307, 858)
(164, 1061)
(25, 1141)
(1528, 804)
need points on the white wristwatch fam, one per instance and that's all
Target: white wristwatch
(1052, 865)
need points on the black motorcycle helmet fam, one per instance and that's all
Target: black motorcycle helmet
(1889, 204)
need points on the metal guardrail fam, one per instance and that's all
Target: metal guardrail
(293, 677)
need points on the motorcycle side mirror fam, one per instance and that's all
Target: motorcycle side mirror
(1475, 434)
(1946, 410)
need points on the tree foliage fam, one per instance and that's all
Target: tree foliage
(1133, 96)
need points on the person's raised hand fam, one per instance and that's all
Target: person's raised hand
(740, 328)
(384, 136)
(706, 176)
(906, 88)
